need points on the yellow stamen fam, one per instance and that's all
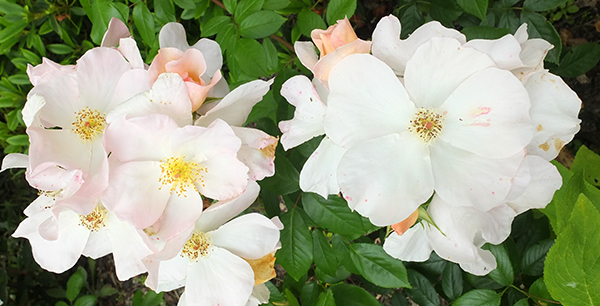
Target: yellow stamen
(88, 124)
(198, 246)
(180, 174)
(94, 221)
(427, 124)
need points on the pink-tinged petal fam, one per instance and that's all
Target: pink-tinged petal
(383, 185)
(488, 114)
(503, 51)
(61, 95)
(438, 67)
(58, 255)
(322, 41)
(49, 229)
(308, 116)
(236, 106)
(545, 180)
(128, 247)
(342, 33)
(47, 70)
(199, 92)
(306, 54)
(222, 211)
(465, 179)
(323, 67)
(465, 230)
(554, 110)
(140, 139)
(366, 101)
(180, 213)
(99, 72)
(97, 245)
(221, 279)
(117, 29)
(388, 47)
(319, 174)
(413, 245)
(225, 178)
(31, 110)
(158, 65)
(250, 236)
(52, 177)
(190, 66)
(135, 188)
(199, 143)
(39, 205)
(172, 35)
(257, 152)
(168, 96)
(128, 47)
(15, 160)
(213, 56)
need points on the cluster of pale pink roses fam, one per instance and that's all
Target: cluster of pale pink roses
(459, 133)
(129, 160)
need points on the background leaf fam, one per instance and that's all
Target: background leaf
(338, 9)
(296, 253)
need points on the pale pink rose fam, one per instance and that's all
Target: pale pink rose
(190, 65)
(335, 43)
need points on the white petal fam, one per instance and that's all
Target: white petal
(235, 107)
(172, 274)
(413, 245)
(31, 110)
(128, 47)
(213, 56)
(172, 35)
(465, 179)
(382, 184)
(15, 160)
(38, 205)
(180, 213)
(554, 110)
(250, 236)
(503, 51)
(222, 211)
(116, 30)
(438, 67)
(488, 114)
(319, 174)
(97, 245)
(366, 101)
(306, 54)
(221, 279)
(308, 116)
(260, 295)
(545, 180)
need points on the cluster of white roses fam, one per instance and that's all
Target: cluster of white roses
(128, 160)
(467, 127)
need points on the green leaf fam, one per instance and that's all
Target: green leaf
(452, 281)
(102, 12)
(339, 9)
(18, 140)
(376, 266)
(350, 295)
(342, 251)
(10, 8)
(503, 274)
(86, 300)
(474, 7)
(246, 8)
(292, 301)
(443, 10)
(509, 20)
(275, 5)
(326, 299)
(590, 161)
(250, 57)
(308, 21)
(422, 291)
(164, 11)
(532, 262)
(542, 5)
(271, 53)
(285, 180)
(19, 79)
(539, 27)
(481, 32)
(230, 5)
(413, 18)
(579, 60)
(296, 253)
(539, 291)
(323, 253)
(14, 29)
(310, 293)
(144, 22)
(215, 25)
(186, 4)
(61, 303)
(59, 49)
(478, 297)
(74, 285)
(522, 302)
(107, 290)
(275, 295)
(261, 24)
(227, 37)
(333, 214)
(571, 271)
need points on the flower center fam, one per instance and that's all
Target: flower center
(427, 124)
(88, 124)
(198, 246)
(180, 174)
(94, 221)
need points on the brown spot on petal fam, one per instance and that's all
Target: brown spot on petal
(263, 268)
(544, 146)
(558, 144)
(269, 150)
(539, 127)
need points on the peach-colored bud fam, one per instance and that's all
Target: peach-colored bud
(190, 65)
(402, 226)
(334, 37)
